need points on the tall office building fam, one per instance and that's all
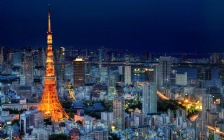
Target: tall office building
(39, 57)
(202, 76)
(149, 94)
(69, 73)
(119, 112)
(60, 64)
(181, 79)
(31, 119)
(221, 75)
(100, 58)
(79, 72)
(207, 101)
(164, 70)
(100, 133)
(28, 68)
(17, 59)
(127, 75)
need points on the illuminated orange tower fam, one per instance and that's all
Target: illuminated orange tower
(50, 104)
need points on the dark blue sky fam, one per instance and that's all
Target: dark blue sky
(152, 25)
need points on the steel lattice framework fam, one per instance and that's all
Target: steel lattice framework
(50, 103)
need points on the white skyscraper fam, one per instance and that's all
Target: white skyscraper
(127, 75)
(149, 98)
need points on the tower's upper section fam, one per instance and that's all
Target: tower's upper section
(49, 20)
(50, 58)
(49, 33)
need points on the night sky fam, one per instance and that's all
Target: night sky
(152, 25)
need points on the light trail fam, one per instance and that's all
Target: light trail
(162, 96)
(194, 117)
(215, 129)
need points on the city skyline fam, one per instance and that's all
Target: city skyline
(111, 92)
(157, 26)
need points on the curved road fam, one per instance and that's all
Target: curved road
(162, 96)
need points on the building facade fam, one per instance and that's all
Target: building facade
(119, 113)
(127, 75)
(79, 72)
(149, 104)
(164, 70)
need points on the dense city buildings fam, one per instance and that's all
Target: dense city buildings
(103, 93)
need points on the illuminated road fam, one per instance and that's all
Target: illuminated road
(162, 96)
(194, 117)
(215, 130)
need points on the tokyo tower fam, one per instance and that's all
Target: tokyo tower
(49, 103)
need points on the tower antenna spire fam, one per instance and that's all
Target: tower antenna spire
(49, 19)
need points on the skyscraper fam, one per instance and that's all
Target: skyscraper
(203, 75)
(17, 59)
(164, 70)
(100, 58)
(60, 65)
(28, 68)
(207, 101)
(127, 75)
(79, 72)
(119, 112)
(50, 104)
(149, 94)
(32, 118)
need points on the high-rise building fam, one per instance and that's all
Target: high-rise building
(149, 94)
(100, 58)
(79, 72)
(39, 57)
(28, 68)
(164, 70)
(119, 113)
(207, 101)
(69, 73)
(17, 59)
(50, 104)
(181, 79)
(31, 119)
(60, 65)
(221, 76)
(127, 75)
(100, 134)
(202, 76)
